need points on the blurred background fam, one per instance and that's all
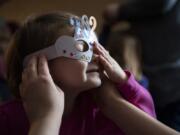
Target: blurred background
(19, 9)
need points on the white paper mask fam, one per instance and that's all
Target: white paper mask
(79, 47)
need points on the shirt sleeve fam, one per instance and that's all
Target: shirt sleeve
(13, 119)
(132, 91)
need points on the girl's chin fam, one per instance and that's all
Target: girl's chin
(96, 82)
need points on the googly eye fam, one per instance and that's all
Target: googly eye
(82, 46)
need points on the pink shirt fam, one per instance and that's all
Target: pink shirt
(86, 118)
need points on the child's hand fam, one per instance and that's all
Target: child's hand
(113, 70)
(41, 97)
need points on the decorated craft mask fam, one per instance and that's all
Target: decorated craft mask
(79, 47)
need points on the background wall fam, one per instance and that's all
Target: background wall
(20, 9)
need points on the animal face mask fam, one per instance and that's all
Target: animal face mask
(79, 47)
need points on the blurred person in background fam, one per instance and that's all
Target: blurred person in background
(125, 48)
(157, 24)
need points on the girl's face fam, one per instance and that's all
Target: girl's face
(75, 75)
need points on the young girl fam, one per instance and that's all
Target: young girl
(79, 67)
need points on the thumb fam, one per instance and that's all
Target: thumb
(43, 68)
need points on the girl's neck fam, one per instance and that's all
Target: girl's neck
(70, 96)
(70, 99)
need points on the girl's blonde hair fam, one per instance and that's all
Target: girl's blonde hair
(37, 32)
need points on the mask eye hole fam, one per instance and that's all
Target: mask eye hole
(82, 46)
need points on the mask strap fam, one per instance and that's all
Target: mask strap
(50, 53)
